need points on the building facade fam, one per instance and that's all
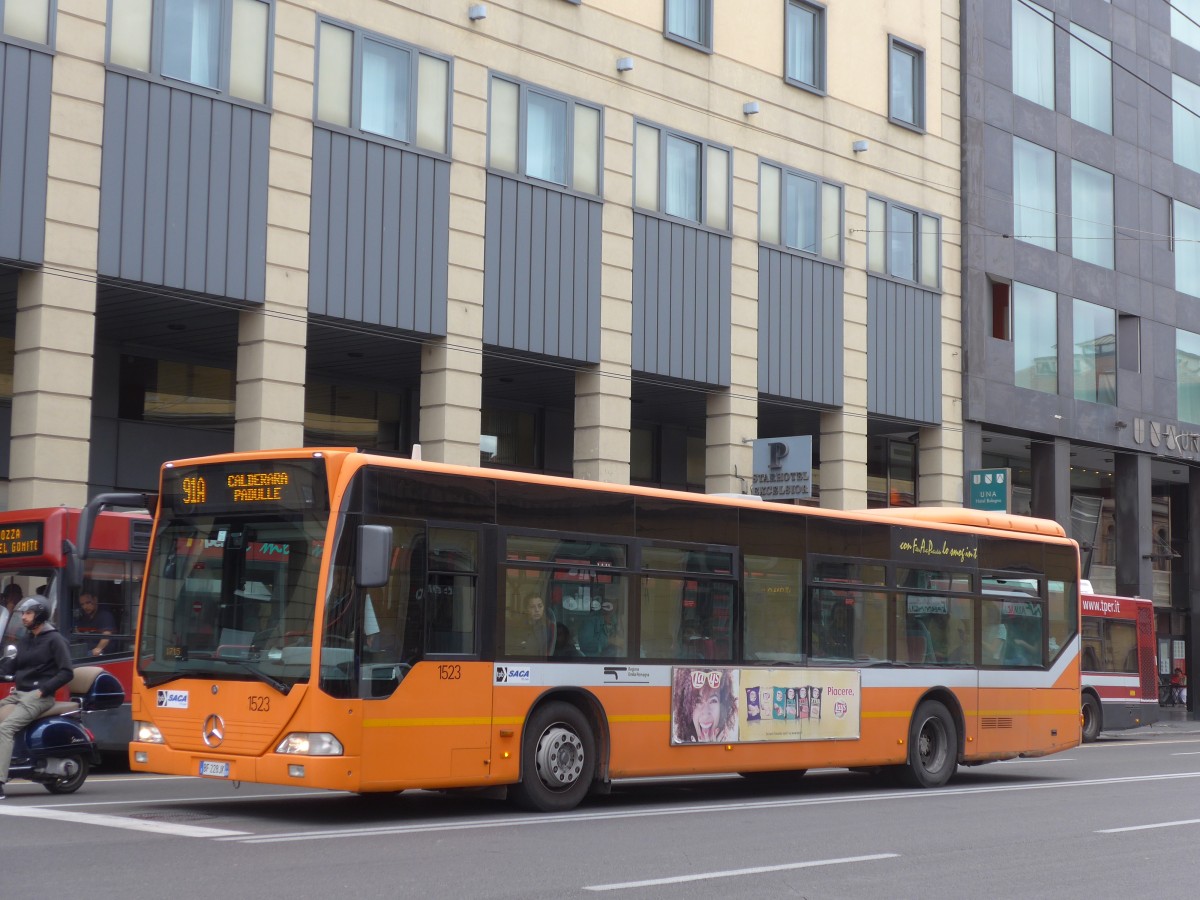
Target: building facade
(1081, 210)
(611, 239)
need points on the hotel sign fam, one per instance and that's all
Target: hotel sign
(1165, 437)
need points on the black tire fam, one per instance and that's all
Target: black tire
(73, 783)
(932, 747)
(1092, 718)
(558, 759)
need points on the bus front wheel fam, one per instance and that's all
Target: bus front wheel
(558, 759)
(932, 746)
(1090, 716)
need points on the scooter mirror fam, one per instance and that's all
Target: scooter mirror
(10, 651)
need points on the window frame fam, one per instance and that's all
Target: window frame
(920, 214)
(51, 28)
(224, 56)
(665, 132)
(1080, 309)
(1052, 212)
(821, 183)
(917, 53)
(820, 46)
(1184, 246)
(1179, 410)
(705, 8)
(359, 36)
(524, 88)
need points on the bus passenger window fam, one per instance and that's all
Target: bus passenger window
(772, 587)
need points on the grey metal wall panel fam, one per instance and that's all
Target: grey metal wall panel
(904, 378)
(24, 152)
(183, 190)
(800, 322)
(682, 285)
(541, 270)
(379, 235)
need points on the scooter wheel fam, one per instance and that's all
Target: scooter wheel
(73, 783)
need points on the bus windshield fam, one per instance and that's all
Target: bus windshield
(232, 595)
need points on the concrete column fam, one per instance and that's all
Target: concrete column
(940, 461)
(56, 306)
(940, 469)
(272, 340)
(602, 395)
(452, 369)
(1050, 465)
(843, 460)
(1131, 485)
(733, 414)
(972, 440)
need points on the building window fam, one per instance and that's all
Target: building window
(168, 392)
(26, 20)
(1185, 238)
(1091, 79)
(690, 22)
(891, 473)
(1091, 214)
(906, 83)
(800, 211)
(804, 39)
(1185, 22)
(1035, 338)
(1185, 121)
(543, 135)
(903, 242)
(1033, 52)
(1187, 374)
(340, 416)
(681, 176)
(1095, 353)
(1034, 205)
(509, 438)
(382, 87)
(220, 45)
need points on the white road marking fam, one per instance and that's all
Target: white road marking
(1189, 753)
(734, 873)
(1036, 759)
(1148, 827)
(234, 799)
(156, 827)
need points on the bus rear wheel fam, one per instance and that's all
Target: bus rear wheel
(558, 759)
(932, 747)
(1089, 713)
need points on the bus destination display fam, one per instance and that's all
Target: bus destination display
(21, 539)
(286, 484)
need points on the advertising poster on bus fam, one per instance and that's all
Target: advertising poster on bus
(725, 705)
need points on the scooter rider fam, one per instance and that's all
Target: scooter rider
(42, 665)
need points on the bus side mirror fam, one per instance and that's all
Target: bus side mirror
(374, 556)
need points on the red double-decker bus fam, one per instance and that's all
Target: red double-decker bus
(37, 547)
(1120, 675)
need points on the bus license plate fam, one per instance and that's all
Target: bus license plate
(214, 769)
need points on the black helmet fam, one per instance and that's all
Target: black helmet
(35, 605)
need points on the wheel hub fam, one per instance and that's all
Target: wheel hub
(559, 757)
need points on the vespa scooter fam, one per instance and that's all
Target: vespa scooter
(55, 750)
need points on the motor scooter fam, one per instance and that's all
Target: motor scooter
(55, 750)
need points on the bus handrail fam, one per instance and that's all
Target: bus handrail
(87, 522)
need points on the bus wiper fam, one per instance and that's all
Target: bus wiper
(261, 675)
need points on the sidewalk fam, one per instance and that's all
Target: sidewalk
(1174, 720)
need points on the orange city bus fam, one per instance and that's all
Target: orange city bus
(437, 626)
(1118, 662)
(38, 549)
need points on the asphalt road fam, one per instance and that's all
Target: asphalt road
(1119, 818)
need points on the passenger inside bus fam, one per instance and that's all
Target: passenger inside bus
(530, 632)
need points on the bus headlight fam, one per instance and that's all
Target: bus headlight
(310, 743)
(147, 733)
